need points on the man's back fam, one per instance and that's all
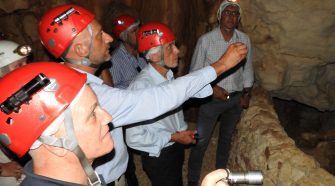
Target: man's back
(125, 66)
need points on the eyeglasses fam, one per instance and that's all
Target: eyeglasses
(231, 13)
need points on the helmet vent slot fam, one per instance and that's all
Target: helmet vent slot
(9, 121)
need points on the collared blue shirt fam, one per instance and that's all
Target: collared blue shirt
(131, 106)
(125, 67)
(211, 46)
(155, 135)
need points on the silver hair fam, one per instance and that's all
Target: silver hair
(152, 51)
(124, 34)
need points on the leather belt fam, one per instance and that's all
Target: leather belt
(232, 94)
(165, 149)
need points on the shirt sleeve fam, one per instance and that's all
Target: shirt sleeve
(198, 59)
(248, 72)
(116, 74)
(142, 138)
(128, 106)
(146, 137)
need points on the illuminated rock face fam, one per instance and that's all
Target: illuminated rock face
(260, 143)
(294, 54)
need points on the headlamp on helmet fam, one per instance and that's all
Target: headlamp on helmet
(153, 31)
(64, 15)
(23, 50)
(14, 102)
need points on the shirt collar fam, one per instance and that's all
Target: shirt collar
(157, 77)
(125, 51)
(91, 78)
(217, 30)
(123, 48)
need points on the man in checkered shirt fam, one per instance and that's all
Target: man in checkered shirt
(231, 89)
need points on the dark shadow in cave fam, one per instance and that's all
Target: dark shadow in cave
(312, 130)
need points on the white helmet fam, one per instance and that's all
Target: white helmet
(11, 52)
(224, 5)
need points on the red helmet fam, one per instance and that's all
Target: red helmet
(31, 98)
(152, 35)
(123, 23)
(59, 26)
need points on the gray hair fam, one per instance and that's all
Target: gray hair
(152, 51)
(124, 34)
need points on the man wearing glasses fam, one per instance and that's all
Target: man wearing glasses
(231, 89)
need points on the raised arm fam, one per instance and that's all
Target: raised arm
(234, 54)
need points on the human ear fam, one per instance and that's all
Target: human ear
(81, 49)
(156, 57)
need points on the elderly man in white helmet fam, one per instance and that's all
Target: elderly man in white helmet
(12, 56)
(231, 89)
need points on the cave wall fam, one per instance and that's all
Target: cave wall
(294, 54)
(261, 143)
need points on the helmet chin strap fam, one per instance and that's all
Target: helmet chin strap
(70, 143)
(86, 60)
(161, 62)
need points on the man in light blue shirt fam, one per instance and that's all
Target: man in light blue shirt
(126, 64)
(231, 91)
(71, 32)
(161, 140)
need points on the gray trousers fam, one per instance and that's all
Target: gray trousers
(209, 112)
